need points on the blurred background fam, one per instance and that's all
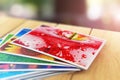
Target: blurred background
(102, 14)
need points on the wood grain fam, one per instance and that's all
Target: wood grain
(10, 25)
(78, 29)
(32, 24)
(106, 66)
(3, 19)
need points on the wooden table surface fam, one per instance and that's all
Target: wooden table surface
(106, 66)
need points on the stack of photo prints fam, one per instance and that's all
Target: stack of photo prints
(46, 51)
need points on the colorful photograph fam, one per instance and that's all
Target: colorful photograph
(77, 49)
(31, 67)
(9, 74)
(13, 49)
(6, 38)
(0, 41)
(8, 58)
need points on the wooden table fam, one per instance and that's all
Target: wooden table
(105, 67)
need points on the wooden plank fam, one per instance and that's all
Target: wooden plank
(32, 24)
(77, 29)
(107, 64)
(9, 25)
(3, 19)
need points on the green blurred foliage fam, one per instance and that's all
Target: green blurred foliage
(7, 3)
